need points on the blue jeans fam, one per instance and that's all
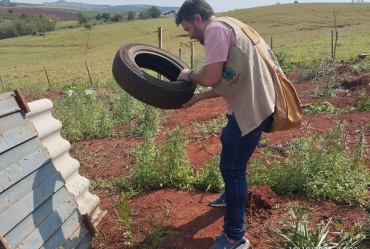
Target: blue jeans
(235, 153)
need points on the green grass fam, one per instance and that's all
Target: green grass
(302, 31)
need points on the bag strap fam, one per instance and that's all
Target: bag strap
(254, 37)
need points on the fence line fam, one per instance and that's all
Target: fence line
(2, 82)
(79, 80)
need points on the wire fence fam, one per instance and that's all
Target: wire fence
(46, 81)
(43, 80)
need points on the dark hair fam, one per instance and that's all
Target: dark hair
(191, 7)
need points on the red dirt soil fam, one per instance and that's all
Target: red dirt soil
(192, 224)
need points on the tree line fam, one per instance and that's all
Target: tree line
(27, 25)
(21, 25)
(152, 12)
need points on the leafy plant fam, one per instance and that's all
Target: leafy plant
(75, 90)
(82, 117)
(283, 60)
(298, 234)
(363, 100)
(159, 165)
(139, 117)
(363, 66)
(318, 166)
(209, 128)
(321, 107)
(209, 178)
(316, 68)
(119, 184)
(124, 218)
(156, 233)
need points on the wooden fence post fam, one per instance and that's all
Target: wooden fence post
(160, 44)
(160, 37)
(271, 43)
(2, 82)
(88, 71)
(332, 45)
(336, 36)
(47, 76)
(192, 55)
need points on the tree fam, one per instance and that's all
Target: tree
(81, 18)
(21, 30)
(143, 15)
(88, 25)
(117, 18)
(154, 12)
(106, 16)
(11, 11)
(99, 17)
(131, 15)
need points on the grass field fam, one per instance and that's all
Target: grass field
(301, 31)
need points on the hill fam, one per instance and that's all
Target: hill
(108, 8)
(61, 15)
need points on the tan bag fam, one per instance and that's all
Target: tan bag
(288, 111)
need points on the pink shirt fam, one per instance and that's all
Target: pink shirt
(218, 39)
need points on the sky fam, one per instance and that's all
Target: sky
(217, 5)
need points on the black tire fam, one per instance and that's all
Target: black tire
(128, 74)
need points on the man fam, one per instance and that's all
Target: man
(233, 69)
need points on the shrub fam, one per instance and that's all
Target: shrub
(318, 166)
(210, 178)
(82, 116)
(163, 165)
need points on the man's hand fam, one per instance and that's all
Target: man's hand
(192, 101)
(184, 75)
(207, 94)
(208, 76)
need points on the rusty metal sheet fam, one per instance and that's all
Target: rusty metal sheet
(8, 104)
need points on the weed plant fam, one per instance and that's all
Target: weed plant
(318, 166)
(284, 61)
(209, 128)
(209, 178)
(118, 185)
(363, 66)
(363, 100)
(321, 107)
(298, 234)
(82, 117)
(156, 233)
(315, 67)
(124, 218)
(137, 116)
(162, 165)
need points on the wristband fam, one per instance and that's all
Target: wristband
(189, 73)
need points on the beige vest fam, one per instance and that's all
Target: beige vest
(246, 81)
